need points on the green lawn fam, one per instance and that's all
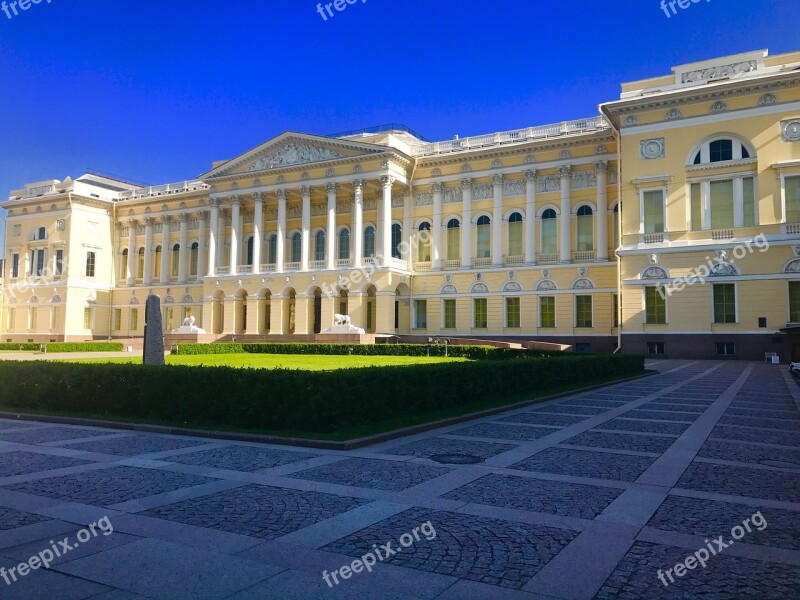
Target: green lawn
(304, 362)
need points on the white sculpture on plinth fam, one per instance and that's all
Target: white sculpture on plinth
(188, 326)
(343, 324)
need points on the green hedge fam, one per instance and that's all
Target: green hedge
(457, 351)
(85, 347)
(19, 346)
(314, 401)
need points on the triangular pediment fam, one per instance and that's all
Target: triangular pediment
(290, 150)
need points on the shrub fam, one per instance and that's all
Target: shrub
(457, 351)
(314, 401)
(84, 347)
(19, 346)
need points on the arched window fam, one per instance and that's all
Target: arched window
(297, 245)
(157, 262)
(515, 234)
(549, 232)
(484, 237)
(176, 258)
(720, 149)
(369, 242)
(195, 254)
(319, 245)
(453, 240)
(585, 229)
(344, 244)
(397, 237)
(616, 239)
(250, 242)
(424, 245)
(272, 249)
(123, 268)
(140, 264)
(41, 233)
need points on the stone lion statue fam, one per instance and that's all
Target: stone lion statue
(342, 320)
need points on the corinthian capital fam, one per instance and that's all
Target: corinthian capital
(387, 181)
(601, 166)
(565, 170)
(531, 175)
(497, 179)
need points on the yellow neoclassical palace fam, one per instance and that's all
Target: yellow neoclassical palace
(669, 224)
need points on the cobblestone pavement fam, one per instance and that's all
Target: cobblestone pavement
(594, 495)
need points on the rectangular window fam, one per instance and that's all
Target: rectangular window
(722, 204)
(653, 211)
(583, 311)
(615, 309)
(134, 320)
(90, 263)
(481, 315)
(655, 306)
(724, 303)
(513, 313)
(59, 262)
(14, 266)
(655, 348)
(726, 349)
(547, 312)
(794, 301)
(749, 201)
(117, 324)
(792, 199)
(37, 262)
(697, 207)
(421, 314)
(88, 314)
(449, 314)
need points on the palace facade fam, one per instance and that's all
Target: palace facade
(589, 232)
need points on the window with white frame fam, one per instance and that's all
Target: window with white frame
(718, 150)
(791, 198)
(513, 313)
(421, 314)
(652, 211)
(549, 233)
(722, 203)
(585, 229)
(515, 234)
(453, 240)
(449, 313)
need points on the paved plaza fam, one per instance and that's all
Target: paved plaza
(596, 495)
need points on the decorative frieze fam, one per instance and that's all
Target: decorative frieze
(452, 195)
(515, 187)
(483, 191)
(294, 154)
(584, 179)
(424, 198)
(718, 72)
(551, 183)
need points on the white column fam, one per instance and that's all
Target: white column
(386, 224)
(221, 224)
(602, 210)
(148, 241)
(566, 214)
(705, 201)
(182, 270)
(497, 222)
(201, 251)
(131, 252)
(330, 237)
(466, 224)
(408, 225)
(165, 251)
(281, 243)
(305, 232)
(236, 203)
(530, 217)
(436, 227)
(258, 221)
(212, 237)
(358, 223)
(738, 202)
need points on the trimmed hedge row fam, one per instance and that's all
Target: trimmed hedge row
(314, 401)
(456, 351)
(85, 347)
(19, 346)
(57, 347)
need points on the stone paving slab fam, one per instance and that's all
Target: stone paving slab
(568, 500)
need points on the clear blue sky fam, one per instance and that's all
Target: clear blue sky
(157, 89)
